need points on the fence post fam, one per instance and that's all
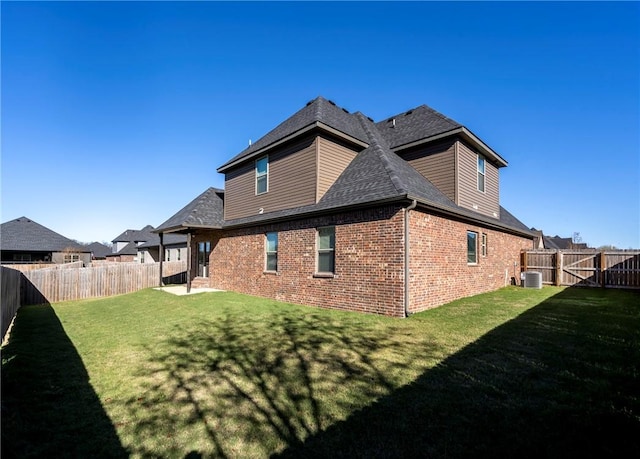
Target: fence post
(558, 267)
(524, 261)
(603, 266)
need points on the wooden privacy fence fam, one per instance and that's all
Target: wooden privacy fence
(54, 285)
(590, 268)
(10, 296)
(24, 267)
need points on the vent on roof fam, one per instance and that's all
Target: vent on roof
(332, 102)
(345, 110)
(408, 113)
(309, 103)
(370, 119)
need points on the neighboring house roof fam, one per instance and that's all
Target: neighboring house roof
(205, 211)
(131, 235)
(130, 249)
(167, 239)
(99, 250)
(23, 234)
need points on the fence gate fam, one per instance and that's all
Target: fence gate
(579, 268)
(589, 268)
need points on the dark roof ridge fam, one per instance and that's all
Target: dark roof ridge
(381, 147)
(315, 112)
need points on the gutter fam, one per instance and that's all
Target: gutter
(412, 206)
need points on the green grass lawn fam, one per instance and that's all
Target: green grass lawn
(552, 372)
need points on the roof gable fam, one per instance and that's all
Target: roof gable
(26, 235)
(319, 110)
(206, 210)
(416, 124)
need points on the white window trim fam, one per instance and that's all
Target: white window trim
(483, 173)
(267, 251)
(265, 174)
(472, 263)
(318, 251)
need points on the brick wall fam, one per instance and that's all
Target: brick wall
(368, 262)
(439, 272)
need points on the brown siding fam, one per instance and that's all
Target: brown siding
(333, 159)
(488, 202)
(437, 164)
(292, 182)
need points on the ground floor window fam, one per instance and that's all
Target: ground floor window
(271, 252)
(204, 250)
(326, 244)
(71, 257)
(472, 247)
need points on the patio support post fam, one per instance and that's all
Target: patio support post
(189, 262)
(161, 255)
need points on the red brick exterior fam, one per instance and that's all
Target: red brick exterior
(439, 272)
(369, 261)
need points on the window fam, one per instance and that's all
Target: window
(483, 245)
(326, 249)
(168, 254)
(71, 257)
(472, 247)
(262, 175)
(204, 251)
(480, 173)
(141, 257)
(179, 254)
(271, 252)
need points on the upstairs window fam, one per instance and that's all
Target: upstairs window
(262, 175)
(480, 173)
(326, 249)
(472, 247)
(271, 249)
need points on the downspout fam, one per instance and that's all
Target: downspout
(412, 206)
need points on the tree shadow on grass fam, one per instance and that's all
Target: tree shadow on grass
(252, 387)
(49, 408)
(560, 380)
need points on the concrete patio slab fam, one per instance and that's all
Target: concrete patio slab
(182, 290)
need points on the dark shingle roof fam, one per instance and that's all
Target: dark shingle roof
(99, 250)
(167, 239)
(131, 235)
(26, 235)
(130, 249)
(419, 123)
(318, 110)
(206, 210)
(377, 175)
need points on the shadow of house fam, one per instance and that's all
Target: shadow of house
(530, 388)
(49, 408)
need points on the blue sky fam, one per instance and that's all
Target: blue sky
(116, 115)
